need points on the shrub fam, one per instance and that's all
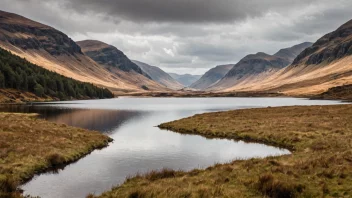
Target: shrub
(55, 159)
(145, 87)
(164, 173)
(8, 184)
(269, 186)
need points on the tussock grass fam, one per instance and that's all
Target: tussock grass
(320, 138)
(29, 146)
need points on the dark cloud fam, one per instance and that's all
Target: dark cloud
(189, 35)
(187, 11)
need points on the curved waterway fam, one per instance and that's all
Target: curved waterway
(138, 145)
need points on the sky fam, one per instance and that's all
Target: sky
(189, 36)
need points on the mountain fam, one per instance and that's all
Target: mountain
(108, 56)
(332, 46)
(55, 51)
(324, 65)
(291, 53)
(258, 65)
(26, 81)
(185, 79)
(118, 63)
(159, 76)
(211, 77)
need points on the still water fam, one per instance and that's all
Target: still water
(139, 146)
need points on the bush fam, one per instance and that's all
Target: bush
(55, 159)
(269, 186)
(145, 87)
(164, 173)
(8, 184)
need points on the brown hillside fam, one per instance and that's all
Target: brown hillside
(55, 51)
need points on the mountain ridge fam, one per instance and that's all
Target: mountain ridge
(326, 64)
(159, 75)
(212, 76)
(108, 55)
(258, 64)
(55, 51)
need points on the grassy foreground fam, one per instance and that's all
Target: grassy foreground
(320, 138)
(29, 145)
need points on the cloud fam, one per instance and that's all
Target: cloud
(185, 11)
(189, 35)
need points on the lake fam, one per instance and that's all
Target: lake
(139, 146)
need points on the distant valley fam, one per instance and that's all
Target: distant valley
(160, 76)
(185, 79)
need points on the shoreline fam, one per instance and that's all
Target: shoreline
(62, 145)
(308, 131)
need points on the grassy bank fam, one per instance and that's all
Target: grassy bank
(29, 145)
(337, 93)
(320, 138)
(18, 96)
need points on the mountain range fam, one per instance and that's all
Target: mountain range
(303, 69)
(94, 62)
(327, 63)
(251, 66)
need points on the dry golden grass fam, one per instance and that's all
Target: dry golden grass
(320, 138)
(29, 145)
(17, 96)
(298, 80)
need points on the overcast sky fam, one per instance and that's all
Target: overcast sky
(189, 36)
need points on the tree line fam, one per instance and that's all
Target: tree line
(18, 73)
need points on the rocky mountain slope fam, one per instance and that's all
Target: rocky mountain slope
(258, 65)
(55, 51)
(159, 76)
(211, 77)
(326, 64)
(116, 62)
(109, 56)
(292, 52)
(185, 79)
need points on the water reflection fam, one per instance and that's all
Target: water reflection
(138, 145)
(105, 121)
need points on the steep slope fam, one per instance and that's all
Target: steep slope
(185, 79)
(250, 67)
(55, 51)
(332, 46)
(258, 65)
(291, 53)
(19, 76)
(211, 77)
(118, 63)
(327, 63)
(159, 76)
(109, 56)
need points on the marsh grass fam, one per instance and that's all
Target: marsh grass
(29, 146)
(320, 138)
